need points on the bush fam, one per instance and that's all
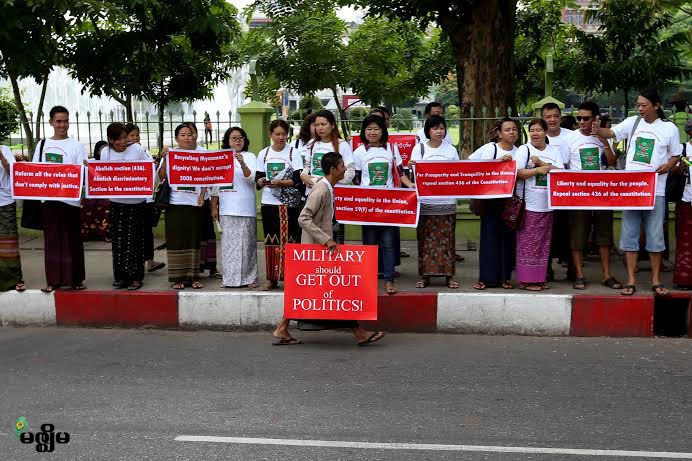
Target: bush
(356, 116)
(9, 115)
(310, 103)
(403, 120)
(296, 115)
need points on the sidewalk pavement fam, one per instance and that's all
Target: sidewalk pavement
(560, 311)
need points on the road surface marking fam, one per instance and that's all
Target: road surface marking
(431, 447)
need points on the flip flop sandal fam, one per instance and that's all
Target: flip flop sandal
(20, 287)
(579, 284)
(655, 289)
(197, 286)
(373, 338)
(507, 285)
(48, 289)
(480, 286)
(612, 283)
(287, 342)
(422, 283)
(134, 286)
(628, 287)
(79, 287)
(178, 286)
(453, 284)
(157, 267)
(534, 288)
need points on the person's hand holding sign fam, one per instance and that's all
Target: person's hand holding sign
(506, 158)
(332, 246)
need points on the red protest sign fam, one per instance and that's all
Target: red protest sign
(602, 189)
(376, 206)
(465, 178)
(320, 285)
(200, 168)
(46, 181)
(120, 179)
(404, 141)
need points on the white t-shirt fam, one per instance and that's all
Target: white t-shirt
(446, 152)
(536, 186)
(273, 163)
(239, 199)
(487, 152)
(313, 157)
(186, 195)
(375, 165)
(5, 181)
(584, 151)
(420, 136)
(652, 145)
(132, 153)
(68, 150)
(560, 143)
(687, 194)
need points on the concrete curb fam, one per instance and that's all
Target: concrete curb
(478, 313)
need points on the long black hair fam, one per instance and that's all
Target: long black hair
(226, 141)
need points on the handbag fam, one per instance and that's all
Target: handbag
(675, 183)
(32, 210)
(515, 206)
(477, 205)
(162, 196)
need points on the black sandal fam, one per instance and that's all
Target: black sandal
(628, 290)
(579, 284)
(655, 289)
(612, 283)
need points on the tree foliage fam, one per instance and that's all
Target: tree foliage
(163, 51)
(9, 114)
(630, 52)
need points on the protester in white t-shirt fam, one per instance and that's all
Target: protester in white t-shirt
(126, 214)
(377, 164)
(432, 108)
(278, 173)
(151, 217)
(306, 133)
(496, 254)
(653, 144)
(236, 209)
(183, 218)
(586, 149)
(534, 160)
(327, 139)
(12, 274)
(682, 276)
(62, 235)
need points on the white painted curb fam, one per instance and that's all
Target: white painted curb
(506, 314)
(242, 310)
(31, 307)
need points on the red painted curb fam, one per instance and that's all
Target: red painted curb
(405, 312)
(615, 316)
(101, 308)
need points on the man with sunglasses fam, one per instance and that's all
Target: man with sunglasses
(585, 150)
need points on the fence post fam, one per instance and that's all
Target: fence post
(484, 113)
(101, 123)
(218, 125)
(170, 122)
(89, 126)
(76, 116)
(146, 124)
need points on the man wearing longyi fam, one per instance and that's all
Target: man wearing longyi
(316, 223)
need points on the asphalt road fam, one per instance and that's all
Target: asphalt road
(127, 394)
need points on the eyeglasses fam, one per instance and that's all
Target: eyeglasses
(236, 138)
(586, 119)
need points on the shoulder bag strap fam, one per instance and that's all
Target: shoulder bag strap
(40, 150)
(495, 154)
(634, 128)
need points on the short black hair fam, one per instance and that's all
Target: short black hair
(382, 109)
(278, 123)
(57, 110)
(379, 121)
(430, 106)
(433, 122)
(550, 106)
(330, 160)
(568, 121)
(590, 106)
(226, 141)
(130, 127)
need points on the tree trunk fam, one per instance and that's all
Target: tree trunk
(483, 45)
(125, 102)
(39, 111)
(345, 133)
(22, 112)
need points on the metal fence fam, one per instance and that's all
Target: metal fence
(90, 128)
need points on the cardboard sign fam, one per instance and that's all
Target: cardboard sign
(200, 168)
(602, 190)
(320, 285)
(465, 178)
(376, 206)
(404, 141)
(46, 181)
(120, 179)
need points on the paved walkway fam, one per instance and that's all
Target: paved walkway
(100, 273)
